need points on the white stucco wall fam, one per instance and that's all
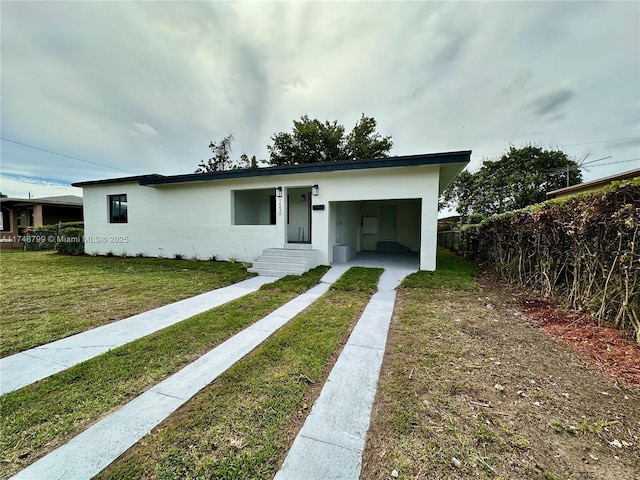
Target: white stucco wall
(192, 220)
(420, 183)
(196, 219)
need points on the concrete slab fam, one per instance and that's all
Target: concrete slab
(371, 331)
(329, 463)
(331, 441)
(95, 448)
(22, 369)
(335, 272)
(341, 414)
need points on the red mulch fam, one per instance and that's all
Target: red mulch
(601, 346)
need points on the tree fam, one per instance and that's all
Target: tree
(521, 177)
(221, 156)
(365, 142)
(312, 141)
(221, 159)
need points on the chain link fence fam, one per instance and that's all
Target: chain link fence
(45, 238)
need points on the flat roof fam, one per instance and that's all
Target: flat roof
(387, 162)
(63, 200)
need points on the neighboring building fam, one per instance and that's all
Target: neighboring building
(318, 212)
(595, 185)
(20, 213)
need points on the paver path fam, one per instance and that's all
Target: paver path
(331, 441)
(95, 448)
(25, 368)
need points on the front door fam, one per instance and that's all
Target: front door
(299, 215)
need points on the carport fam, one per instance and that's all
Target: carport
(376, 231)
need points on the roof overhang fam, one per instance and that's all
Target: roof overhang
(451, 163)
(595, 183)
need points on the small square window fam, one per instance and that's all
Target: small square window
(118, 208)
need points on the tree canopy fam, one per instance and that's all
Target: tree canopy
(313, 141)
(521, 177)
(222, 160)
(310, 141)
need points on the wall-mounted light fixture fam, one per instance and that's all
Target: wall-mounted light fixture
(279, 192)
(303, 197)
(315, 191)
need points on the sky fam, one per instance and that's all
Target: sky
(94, 90)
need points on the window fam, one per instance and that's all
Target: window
(254, 207)
(118, 208)
(5, 220)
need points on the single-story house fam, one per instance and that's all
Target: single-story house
(304, 215)
(18, 214)
(594, 185)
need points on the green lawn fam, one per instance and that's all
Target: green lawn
(451, 272)
(241, 425)
(40, 417)
(46, 296)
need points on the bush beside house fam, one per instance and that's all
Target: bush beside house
(70, 241)
(583, 251)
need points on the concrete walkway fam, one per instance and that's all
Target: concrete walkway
(331, 441)
(24, 368)
(94, 449)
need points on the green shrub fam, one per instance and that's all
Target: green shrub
(476, 218)
(70, 241)
(582, 251)
(60, 226)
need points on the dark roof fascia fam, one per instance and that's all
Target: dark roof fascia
(136, 178)
(387, 162)
(594, 183)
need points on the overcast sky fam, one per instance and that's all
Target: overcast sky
(143, 87)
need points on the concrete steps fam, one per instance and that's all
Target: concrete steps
(290, 260)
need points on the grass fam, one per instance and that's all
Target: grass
(449, 345)
(46, 296)
(39, 417)
(420, 427)
(241, 425)
(422, 421)
(451, 272)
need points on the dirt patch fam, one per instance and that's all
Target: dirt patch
(605, 348)
(474, 388)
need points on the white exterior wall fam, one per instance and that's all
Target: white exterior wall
(190, 219)
(379, 184)
(195, 219)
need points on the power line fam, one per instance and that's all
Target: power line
(613, 163)
(63, 155)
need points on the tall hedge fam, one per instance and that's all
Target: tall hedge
(583, 251)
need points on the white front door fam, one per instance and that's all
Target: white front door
(298, 215)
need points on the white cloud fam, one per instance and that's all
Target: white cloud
(142, 130)
(23, 187)
(146, 86)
